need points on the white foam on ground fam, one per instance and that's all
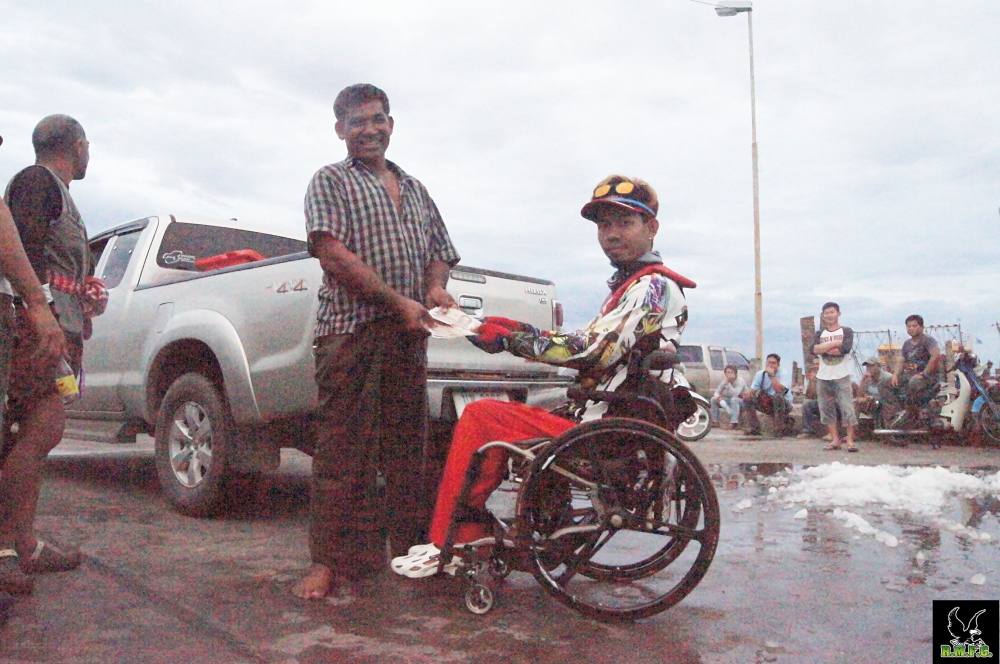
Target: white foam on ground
(921, 491)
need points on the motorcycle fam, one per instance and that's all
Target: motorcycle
(699, 423)
(986, 409)
(950, 414)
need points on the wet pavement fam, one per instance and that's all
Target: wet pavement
(785, 585)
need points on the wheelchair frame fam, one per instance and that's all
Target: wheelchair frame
(635, 492)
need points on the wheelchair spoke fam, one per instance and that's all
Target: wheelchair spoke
(582, 555)
(674, 530)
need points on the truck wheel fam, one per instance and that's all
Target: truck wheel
(193, 444)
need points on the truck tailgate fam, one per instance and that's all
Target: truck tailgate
(486, 293)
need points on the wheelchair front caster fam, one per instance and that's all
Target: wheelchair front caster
(499, 568)
(479, 599)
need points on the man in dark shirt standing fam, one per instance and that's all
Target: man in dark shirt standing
(386, 255)
(55, 241)
(914, 379)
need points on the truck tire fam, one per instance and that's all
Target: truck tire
(194, 443)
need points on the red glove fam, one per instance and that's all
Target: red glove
(510, 324)
(490, 337)
(94, 296)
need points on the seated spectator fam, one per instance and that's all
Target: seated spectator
(728, 396)
(871, 387)
(811, 425)
(914, 379)
(770, 396)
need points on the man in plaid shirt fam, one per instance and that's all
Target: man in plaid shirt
(386, 257)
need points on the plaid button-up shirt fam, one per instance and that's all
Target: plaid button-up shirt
(347, 201)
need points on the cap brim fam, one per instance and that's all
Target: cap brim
(589, 211)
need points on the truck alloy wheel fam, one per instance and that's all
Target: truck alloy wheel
(193, 431)
(189, 444)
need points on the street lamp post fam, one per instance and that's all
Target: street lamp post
(732, 8)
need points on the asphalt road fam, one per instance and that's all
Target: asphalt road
(159, 587)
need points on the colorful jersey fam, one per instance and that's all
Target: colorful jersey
(652, 310)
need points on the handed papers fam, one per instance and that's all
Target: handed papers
(452, 323)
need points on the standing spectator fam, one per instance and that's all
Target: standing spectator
(987, 371)
(832, 344)
(728, 396)
(769, 395)
(914, 377)
(385, 255)
(55, 242)
(15, 269)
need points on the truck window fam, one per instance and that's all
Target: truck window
(185, 243)
(690, 354)
(97, 249)
(737, 360)
(120, 250)
(715, 355)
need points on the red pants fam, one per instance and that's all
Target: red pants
(483, 422)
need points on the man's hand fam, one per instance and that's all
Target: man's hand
(895, 380)
(51, 341)
(834, 351)
(414, 317)
(439, 297)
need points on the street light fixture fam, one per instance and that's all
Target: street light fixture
(732, 8)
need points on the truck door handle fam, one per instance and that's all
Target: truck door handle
(470, 304)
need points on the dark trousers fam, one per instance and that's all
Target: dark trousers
(775, 407)
(810, 417)
(914, 390)
(372, 415)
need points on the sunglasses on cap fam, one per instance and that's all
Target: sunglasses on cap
(623, 188)
(619, 193)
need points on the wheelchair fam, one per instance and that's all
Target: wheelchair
(616, 518)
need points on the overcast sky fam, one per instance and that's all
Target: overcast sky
(877, 129)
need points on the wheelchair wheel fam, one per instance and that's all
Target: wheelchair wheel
(618, 518)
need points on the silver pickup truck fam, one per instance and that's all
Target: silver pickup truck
(206, 344)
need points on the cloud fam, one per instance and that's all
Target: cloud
(879, 147)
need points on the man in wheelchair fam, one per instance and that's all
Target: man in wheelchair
(644, 312)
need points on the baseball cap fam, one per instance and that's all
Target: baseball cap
(870, 360)
(631, 194)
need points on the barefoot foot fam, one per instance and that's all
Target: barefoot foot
(315, 584)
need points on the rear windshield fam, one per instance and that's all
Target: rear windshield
(690, 354)
(737, 360)
(185, 243)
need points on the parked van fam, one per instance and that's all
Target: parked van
(704, 366)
